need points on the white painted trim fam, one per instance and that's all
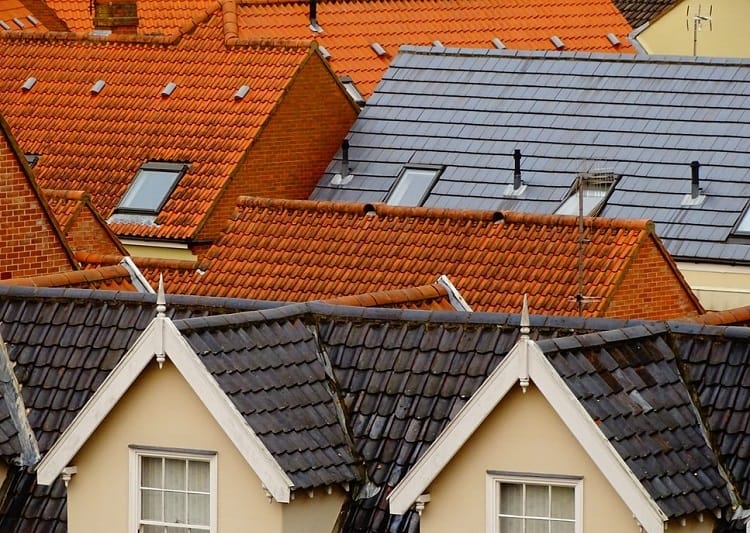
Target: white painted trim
(163, 333)
(454, 297)
(138, 279)
(645, 511)
(154, 244)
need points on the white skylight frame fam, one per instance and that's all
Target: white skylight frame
(413, 186)
(742, 228)
(594, 195)
(151, 187)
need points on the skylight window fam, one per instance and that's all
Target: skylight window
(743, 227)
(413, 186)
(594, 188)
(151, 187)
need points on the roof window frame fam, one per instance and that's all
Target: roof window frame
(436, 171)
(177, 170)
(573, 193)
(744, 217)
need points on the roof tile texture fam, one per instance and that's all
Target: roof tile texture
(300, 250)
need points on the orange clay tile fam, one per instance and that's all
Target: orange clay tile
(112, 278)
(29, 16)
(175, 272)
(738, 316)
(98, 142)
(302, 250)
(427, 297)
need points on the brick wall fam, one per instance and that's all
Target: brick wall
(295, 147)
(651, 289)
(29, 246)
(86, 235)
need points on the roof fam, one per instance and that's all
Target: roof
(465, 112)
(114, 278)
(29, 16)
(130, 123)
(738, 316)
(402, 375)
(351, 27)
(434, 296)
(289, 250)
(639, 12)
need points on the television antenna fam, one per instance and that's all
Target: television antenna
(699, 20)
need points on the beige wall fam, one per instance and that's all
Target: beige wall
(703, 523)
(718, 287)
(161, 410)
(673, 32)
(317, 514)
(522, 435)
(160, 252)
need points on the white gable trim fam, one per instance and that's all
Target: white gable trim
(162, 336)
(526, 355)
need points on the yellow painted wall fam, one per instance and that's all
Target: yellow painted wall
(718, 287)
(160, 409)
(672, 33)
(159, 252)
(522, 435)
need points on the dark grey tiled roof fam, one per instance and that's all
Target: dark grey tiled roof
(644, 118)
(638, 12)
(274, 375)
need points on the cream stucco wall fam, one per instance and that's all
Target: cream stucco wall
(160, 409)
(522, 435)
(143, 249)
(673, 33)
(718, 287)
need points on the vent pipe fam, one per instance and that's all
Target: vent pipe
(345, 170)
(695, 189)
(517, 182)
(314, 26)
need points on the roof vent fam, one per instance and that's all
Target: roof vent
(346, 172)
(324, 52)
(100, 32)
(3, 25)
(612, 38)
(32, 19)
(168, 89)
(242, 92)
(28, 84)
(437, 44)
(378, 49)
(19, 23)
(369, 210)
(695, 197)
(559, 44)
(518, 185)
(98, 86)
(314, 26)
(497, 43)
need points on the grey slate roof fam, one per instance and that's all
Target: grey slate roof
(643, 118)
(399, 375)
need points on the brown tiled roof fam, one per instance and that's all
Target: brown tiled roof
(638, 12)
(302, 250)
(115, 278)
(97, 143)
(427, 297)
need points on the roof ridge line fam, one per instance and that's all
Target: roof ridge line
(648, 328)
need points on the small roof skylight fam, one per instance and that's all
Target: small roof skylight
(559, 44)
(32, 19)
(19, 23)
(413, 186)
(98, 86)
(242, 92)
(151, 187)
(4, 25)
(378, 49)
(168, 89)
(743, 226)
(497, 43)
(590, 188)
(28, 84)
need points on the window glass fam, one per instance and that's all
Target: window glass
(744, 225)
(412, 187)
(594, 189)
(151, 188)
(534, 507)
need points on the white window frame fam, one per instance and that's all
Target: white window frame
(401, 186)
(594, 195)
(134, 499)
(495, 478)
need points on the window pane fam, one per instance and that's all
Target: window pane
(562, 527)
(174, 507)
(511, 499)
(537, 500)
(151, 529)
(151, 472)
(149, 189)
(198, 509)
(537, 526)
(151, 504)
(511, 525)
(198, 476)
(411, 187)
(563, 502)
(174, 475)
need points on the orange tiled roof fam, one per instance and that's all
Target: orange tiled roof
(302, 250)
(113, 278)
(174, 271)
(28, 16)
(98, 142)
(432, 297)
(351, 26)
(739, 316)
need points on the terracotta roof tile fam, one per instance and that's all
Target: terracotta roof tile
(739, 316)
(350, 27)
(427, 297)
(98, 142)
(33, 16)
(115, 278)
(301, 250)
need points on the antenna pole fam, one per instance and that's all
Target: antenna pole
(579, 296)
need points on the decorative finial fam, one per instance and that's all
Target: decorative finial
(161, 300)
(525, 323)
